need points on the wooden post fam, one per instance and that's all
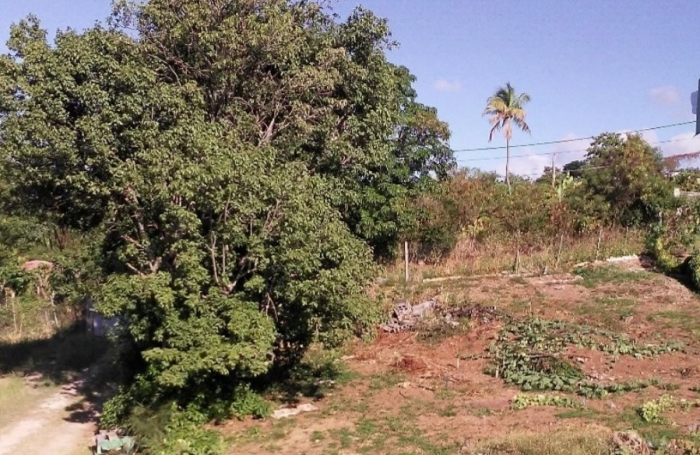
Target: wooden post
(597, 248)
(11, 295)
(561, 243)
(405, 253)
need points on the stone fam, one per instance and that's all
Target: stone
(289, 412)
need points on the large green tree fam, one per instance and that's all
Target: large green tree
(286, 75)
(507, 108)
(238, 161)
(624, 179)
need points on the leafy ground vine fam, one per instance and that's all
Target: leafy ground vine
(532, 355)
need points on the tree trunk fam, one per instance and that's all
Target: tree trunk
(508, 164)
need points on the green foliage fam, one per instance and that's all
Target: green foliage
(651, 410)
(435, 228)
(595, 276)
(523, 400)
(315, 91)
(621, 182)
(675, 241)
(475, 206)
(687, 180)
(247, 403)
(232, 171)
(529, 355)
(173, 431)
(624, 181)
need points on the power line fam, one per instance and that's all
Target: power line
(538, 174)
(587, 168)
(496, 158)
(562, 141)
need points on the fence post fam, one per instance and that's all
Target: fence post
(405, 253)
(561, 244)
(597, 248)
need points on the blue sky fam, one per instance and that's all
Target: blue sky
(590, 66)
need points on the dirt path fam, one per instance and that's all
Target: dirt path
(49, 426)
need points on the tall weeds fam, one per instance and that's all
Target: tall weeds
(474, 226)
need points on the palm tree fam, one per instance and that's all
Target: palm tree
(504, 107)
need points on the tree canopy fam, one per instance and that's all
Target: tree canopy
(240, 163)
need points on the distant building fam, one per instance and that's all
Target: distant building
(97, 324)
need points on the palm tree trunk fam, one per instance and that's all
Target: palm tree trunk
(508, 164)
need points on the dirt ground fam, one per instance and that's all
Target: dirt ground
(426, 391)
(43, 416)
(50, 390)
(419, 392)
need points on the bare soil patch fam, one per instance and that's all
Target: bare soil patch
(412, 396)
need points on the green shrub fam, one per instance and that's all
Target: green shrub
(172, 431)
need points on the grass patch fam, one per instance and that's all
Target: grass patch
(677, 319)
(385, 381)
(658, 433)
(582, 413)
(608, 310)
(596, 276)
(449, 411)
(319, 372)
(481, 412)
(588, 442)
(445, 394)
(389, 435)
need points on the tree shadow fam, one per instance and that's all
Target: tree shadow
(58, 359)
(305, 380)
(72, 358)
(681, 274)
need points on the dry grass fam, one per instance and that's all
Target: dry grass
(575, 441)
(492, 256)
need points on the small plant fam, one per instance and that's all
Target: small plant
(522, 401)
(686, 405)
(449, 411)
(668, 386)
(317, 436)
(651, 411)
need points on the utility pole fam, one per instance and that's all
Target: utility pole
(554, 170)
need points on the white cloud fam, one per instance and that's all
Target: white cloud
(528, 166)
(682, 144)
(443, 85)
(650, 136)
(531, 161)
(665, 96)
